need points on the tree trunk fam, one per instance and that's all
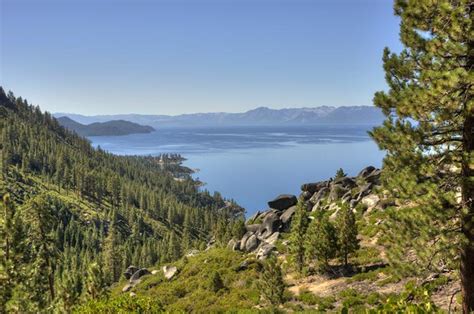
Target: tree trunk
(467, 223)
(51, 285)
(467, 186)
(7, 249)
(50, 275)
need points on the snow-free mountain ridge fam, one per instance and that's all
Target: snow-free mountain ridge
(259, 116)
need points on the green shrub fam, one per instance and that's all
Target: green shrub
(215, 282)
(413, 300)
(122, 304)
(391, 279)
(193, 288)
(280, 247)
(361, 208)
(351, 298)
(309, 298)
(366, 256)
(326, 303)
(386, 202)
(373, 298)
(370, 275)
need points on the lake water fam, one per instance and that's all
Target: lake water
(252, 165)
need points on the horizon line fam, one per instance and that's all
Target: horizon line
(208, 112)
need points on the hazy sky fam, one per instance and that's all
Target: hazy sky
(170, 57)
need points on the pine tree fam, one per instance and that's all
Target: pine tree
(222, 232)
(346, 232)
(340, 173)
(96, 284)
(112, 252)
(296, 247)
(8, 225)
(271, 282)
(429, 135)
(68, 292)
(186, 237)
(238, 229)
(321, 242)
(29, 272)
(40, 219)
(8, 251)
(59, 174)
(173, 247)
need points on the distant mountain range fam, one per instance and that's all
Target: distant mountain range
(114, 127)
(259, 116)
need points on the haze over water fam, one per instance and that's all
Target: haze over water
(252, 165)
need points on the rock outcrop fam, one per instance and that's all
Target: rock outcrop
(251, 243)
(270, 224)
(287, 214)
(370, 201)
(134, 275)
(233, 245)
(169, 271)
(137, 273)
(283, 202)
(265, 227)
(130, 271)
(347, 190)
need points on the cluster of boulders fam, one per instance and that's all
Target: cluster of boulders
(347, 190)
(134, 275)
(264, 228)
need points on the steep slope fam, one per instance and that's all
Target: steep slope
(216, 280)
(111, 128)
(67, 206)
(230, 277)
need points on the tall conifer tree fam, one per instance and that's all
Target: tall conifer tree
(8, 262)
(112, 251)
(271, 282)
(346, 232)
(321, 242)
(429, 133)
(96, 285)
(299, 225)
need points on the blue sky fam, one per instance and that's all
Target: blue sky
(171, 57)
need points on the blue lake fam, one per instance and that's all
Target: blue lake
(252, 165)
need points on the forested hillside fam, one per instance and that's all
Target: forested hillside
(332, 249)
(109, 128)
(74, 217)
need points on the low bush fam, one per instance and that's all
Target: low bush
(370, 275)
(321, 303)
(121, 304)
(210, 281)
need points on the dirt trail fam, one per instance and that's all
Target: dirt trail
(319, 286)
